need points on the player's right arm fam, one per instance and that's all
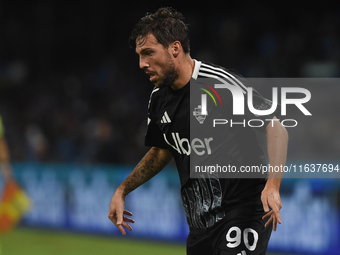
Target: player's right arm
(150, 165)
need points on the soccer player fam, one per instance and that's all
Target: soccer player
(225, 215)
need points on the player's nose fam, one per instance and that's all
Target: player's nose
(143, 64)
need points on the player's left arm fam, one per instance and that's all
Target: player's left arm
(277, 143)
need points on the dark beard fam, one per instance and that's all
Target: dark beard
(170, 77)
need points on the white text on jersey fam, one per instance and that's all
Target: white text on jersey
(200, 147)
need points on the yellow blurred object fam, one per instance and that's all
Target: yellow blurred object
(13, 206)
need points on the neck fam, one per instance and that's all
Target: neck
(185, 70)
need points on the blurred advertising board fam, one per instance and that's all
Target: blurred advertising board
(76, 197)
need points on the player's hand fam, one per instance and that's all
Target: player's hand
(117, 212)
(271, 202)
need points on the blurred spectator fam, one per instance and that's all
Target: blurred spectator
(71, 90)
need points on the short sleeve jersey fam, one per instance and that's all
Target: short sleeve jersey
(205, 201)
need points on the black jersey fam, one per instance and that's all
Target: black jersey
(205, 200)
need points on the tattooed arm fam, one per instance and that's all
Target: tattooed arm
(150, 165)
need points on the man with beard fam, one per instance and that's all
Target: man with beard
(225, 216)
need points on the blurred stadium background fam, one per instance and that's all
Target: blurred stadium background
(74, 103)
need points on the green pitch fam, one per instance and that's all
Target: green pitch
(39, 242)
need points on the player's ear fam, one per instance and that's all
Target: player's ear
(176, 48)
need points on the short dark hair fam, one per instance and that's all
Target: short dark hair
(166, 24)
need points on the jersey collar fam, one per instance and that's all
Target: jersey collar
(196, 69)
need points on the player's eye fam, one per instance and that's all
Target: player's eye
(148, 53)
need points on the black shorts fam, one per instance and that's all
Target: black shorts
(241, 233)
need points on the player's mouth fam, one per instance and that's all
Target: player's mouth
(152, 76)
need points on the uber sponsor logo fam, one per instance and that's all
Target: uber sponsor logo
(184, 146)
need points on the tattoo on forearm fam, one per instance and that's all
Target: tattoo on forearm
(150, 165)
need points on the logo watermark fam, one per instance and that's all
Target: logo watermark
(235, 118)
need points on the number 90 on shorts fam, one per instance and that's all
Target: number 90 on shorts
(245, 235)
(245, 240)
